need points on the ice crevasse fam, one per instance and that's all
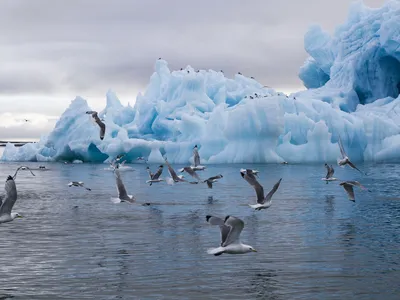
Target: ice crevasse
(353, 81)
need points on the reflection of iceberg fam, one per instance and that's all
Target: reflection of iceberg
(360, 64)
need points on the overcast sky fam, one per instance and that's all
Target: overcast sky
(52, 50)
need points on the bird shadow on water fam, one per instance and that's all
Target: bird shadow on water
(330, 204)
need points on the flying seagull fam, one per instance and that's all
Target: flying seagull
(122, 193)
(99, 122)
(329, 174)
(78, 184)
(196, 158)
(9, 200)
(348, 187)
(172, 173)
(156, 176)
(345, 159)
(22, 168)
(211, 180)
(255, 172)
(230, 228)
(191, 172)
(263, 202)
(10, 197)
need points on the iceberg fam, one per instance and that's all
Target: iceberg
(353, 85)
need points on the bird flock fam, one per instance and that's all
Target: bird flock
(230, 227)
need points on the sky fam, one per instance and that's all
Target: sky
(52, 51)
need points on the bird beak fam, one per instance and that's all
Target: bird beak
(254, 250)
(20, 216)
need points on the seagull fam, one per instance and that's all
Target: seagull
(191, 172)
(9, 200)
(211, 180)
(345, 159)
(348, 187)
(255, 172)
(122, 194)
(329, 174)
(78, 184)
(263, 202)
(22, 168)
(156, 176)
(196, 158)
(99, 122)
(231, 228)
(172, 173)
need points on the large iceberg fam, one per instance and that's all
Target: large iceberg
(353, 81)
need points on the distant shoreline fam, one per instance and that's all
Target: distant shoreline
(16, 143)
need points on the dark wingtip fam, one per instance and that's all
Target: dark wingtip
(146, 204)
(226, 218)
(161, 166)
(208, 217)
(9, 178)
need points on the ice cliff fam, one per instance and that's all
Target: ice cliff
(353, 81)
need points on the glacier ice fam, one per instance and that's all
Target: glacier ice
(353, 81)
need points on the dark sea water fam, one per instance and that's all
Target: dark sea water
(312, 242)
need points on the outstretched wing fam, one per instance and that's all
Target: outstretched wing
(251, 179)
(327, 171)
(237, 226)
(192, 173)
(99, 122)
(158, 173)
(272, 192)
(354, 167)
(10, 196)
(215, 177)
(196, 157)
(172, 172)
(341, 147)
(350, 192)
(224, 228)
(209, 183)
(331, 171)
(122, 194)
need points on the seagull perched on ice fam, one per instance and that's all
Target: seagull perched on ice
(263, 202)
(329, 174)
(348, 187)
(78, 184)
(230, 228)
(99, 122)
(211, 180)
(345, 159)
(122, 193)
(156, 176)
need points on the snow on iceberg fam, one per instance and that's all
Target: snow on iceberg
(354, 84)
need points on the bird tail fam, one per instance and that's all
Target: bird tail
(216, 251)
(88, 189)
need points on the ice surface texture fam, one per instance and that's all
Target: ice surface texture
(353, 80)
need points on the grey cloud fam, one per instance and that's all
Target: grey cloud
(85, 47)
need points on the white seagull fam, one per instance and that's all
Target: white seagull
(78, 184)
(348, 187)
(99, 122)
(263, 202)
(172, 173)
(156, 176)
(9, 200)
(211, 180)
(122, 193)
(231, 228)
(329, 174)
(345, 159)
(196, 158)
